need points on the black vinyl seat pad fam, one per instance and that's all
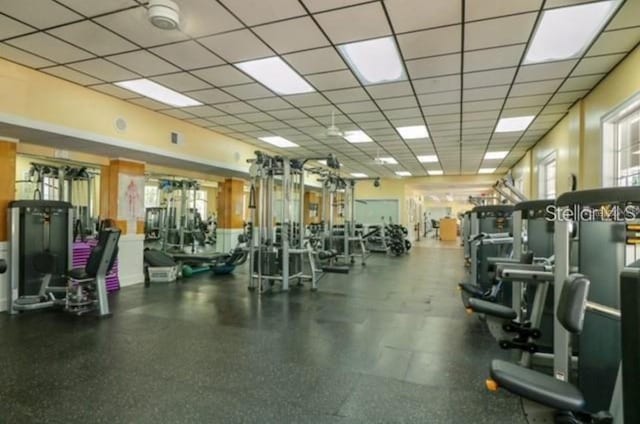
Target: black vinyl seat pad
(537, 387)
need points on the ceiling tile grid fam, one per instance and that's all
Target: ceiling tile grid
(463, 63)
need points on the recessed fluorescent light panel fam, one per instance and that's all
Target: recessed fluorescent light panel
(495, 155)
(158, 92)
(435, 172)
(565, 32)
(427, 158)
(517, 123)
(276, 75)
(357, 137)
(374, 61)
(388, 161)
(413, 131)
(278, 141)
(486, 170)
(403, 173)
(358, 175)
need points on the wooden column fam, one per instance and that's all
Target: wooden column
(230, 214)
(230, 204)
(7, 182)
(109, 180)
(311, 208)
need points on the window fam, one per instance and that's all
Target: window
(547, 177)
(621, 145)
(201, 203)
(151, 196)
(627, 150)
(50, 188)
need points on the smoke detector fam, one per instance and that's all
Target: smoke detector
(164, 14)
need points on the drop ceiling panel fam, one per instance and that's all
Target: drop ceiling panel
(71, 75)
(358, 107)
(39, 13)
(12, 28)
(627, 16)
(394, 89)
(421, 44)
(333, 80)
(133, 25)
(235, 108)
(438, 84)
(347, 95)
(482, 105)
(237, 46)
(144, 63)
(618, 41)
(248, 91)
(316, 60)
(93, 37)
(338, 24)
(545, 71)
(434, 66)
(397, 103)
(534, 88)
(527, 101)
(499, 32)
(485, 93)
(181, 82)
(253, 12)
(210, 96)
(489, 78)
(500, 57)
(91, 8)
(149, 104)
(104, 70)
(445, 97)
(411, 15)
(203, 111)
(581, 83)
(188, 55)
(49, 47)
(568, 97)
(279, 35)
(482, 9)
(205, 17)
(222, 76)
(270, 104)
(22, 57)
(597, 64)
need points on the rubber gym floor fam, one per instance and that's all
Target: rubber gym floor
(389, 342)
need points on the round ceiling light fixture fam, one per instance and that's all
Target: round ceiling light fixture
(164, 14)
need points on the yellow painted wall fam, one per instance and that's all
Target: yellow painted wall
(389, 189)
(37, 96)
(523, 170)
(577, 137)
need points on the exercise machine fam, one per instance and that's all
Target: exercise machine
(491, 240)
(526, 324)
(40, 253)
(41, 272)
